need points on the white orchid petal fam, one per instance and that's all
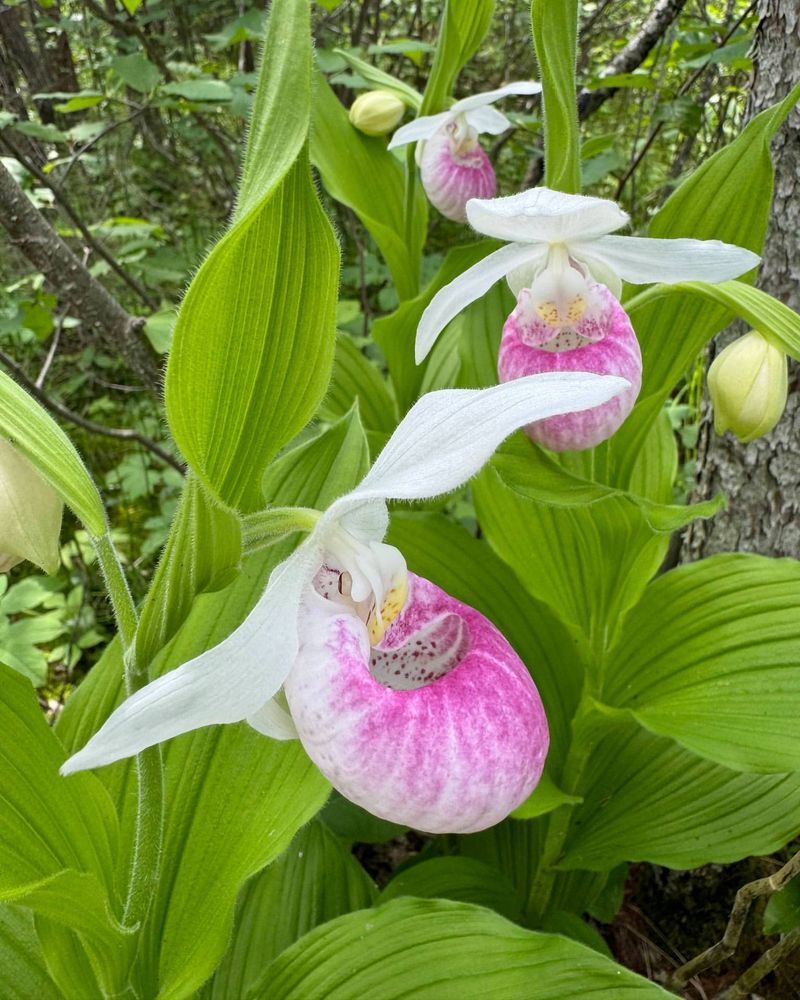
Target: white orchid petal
(490, 96)
(641, 260)
(469, 286)
(420, 128)
(542, 214)
(274, 721)
(448, 435)
(597, 267)
(225, 684)
(488, 120)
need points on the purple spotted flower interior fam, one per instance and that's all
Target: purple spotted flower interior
(439, 726)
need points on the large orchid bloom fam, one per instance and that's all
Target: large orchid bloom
(412, 704)
(453, 167)
(566, 270)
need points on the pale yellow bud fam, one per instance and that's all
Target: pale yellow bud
(748, 382)
(377, 112)
(30, 514)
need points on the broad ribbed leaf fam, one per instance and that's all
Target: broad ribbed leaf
(33, 432)
(464, 23)
(234, 799)
(58, 838)
(530, 472)
(428, 949)
(360, 172)
(315, 880)
(253, 342)
(477, 331)
(555, 38)
(355, 377)
(648, 799)
(711, 657)
(23, 974)
(768, 315)
(467, 569)
(202, 554)
(462, 879)
(395, 334)
(588, 563)
(708, 205)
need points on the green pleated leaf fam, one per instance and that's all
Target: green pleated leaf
(768, 315)
(645, 798)
(428, 949)
(464, 23)
(381, 80)
(34, 433)
(355, 377)
(782, 913)
(58, 837)
(710, 204)
(355, 825)
(315, 880)
(555, 38)
(462, 879)
(253, 342)
(711, 658)
(531, 472)
(466, 568)
(588, 563)
(202, 554)
(23, 974)
(477, 331)
(395, 334)
(358, 171)
(234, 799)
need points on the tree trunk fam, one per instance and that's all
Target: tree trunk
(761, 480)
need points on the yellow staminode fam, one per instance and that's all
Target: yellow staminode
(393, 602)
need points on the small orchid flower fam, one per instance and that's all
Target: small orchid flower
(412, 704)
(566, 270)
(453, 167)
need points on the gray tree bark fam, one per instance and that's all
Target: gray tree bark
(762, 479)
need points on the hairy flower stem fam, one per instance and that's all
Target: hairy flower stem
(149, 770)
(408, 207)
(588, 725)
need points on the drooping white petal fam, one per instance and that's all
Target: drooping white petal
(273, 720)
(228, 683)
(488, 119)
(641, 260)
(490, 96)
(420, 128)
(448, 435)
(469, 286)
(542, 214)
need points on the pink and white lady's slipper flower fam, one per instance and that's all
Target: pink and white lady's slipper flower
(566, 270)
(453, 167)
(412, 704)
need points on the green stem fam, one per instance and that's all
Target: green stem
(265, 527)
(146, 859)
(409, 201)
(585, 734)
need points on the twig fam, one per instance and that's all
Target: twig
(123, 433)
(768, 962)
(725, 947)
(51, 353)
(685, 86)
(70, 212)
(101, 314)
(100, 135)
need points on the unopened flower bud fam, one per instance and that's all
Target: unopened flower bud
(748, 383)
(377, 112)
(30, 514)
